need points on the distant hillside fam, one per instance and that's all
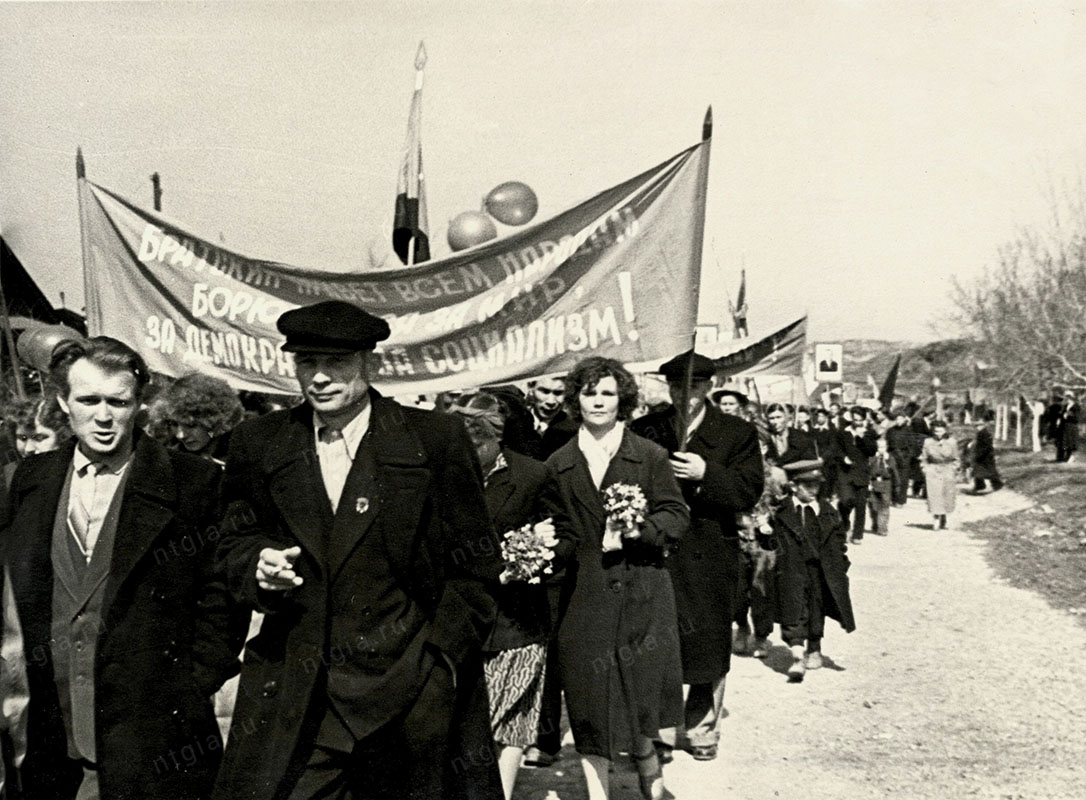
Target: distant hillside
(950, 360)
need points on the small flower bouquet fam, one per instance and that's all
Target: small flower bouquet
(625, 505)
(528, 552)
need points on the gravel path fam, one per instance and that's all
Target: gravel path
(954, 685)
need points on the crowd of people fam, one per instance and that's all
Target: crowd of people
(410, 596)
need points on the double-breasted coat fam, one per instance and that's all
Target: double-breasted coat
(618, 652)
(824, 542)
(706, 566)
(167, 641)
(397, 578)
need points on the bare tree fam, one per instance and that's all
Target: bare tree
(1027, 313)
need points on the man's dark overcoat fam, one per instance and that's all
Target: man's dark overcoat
(617, 651)
(401, 575)
(165, 646)
(984, 461)
(795, 546)
(706, 566)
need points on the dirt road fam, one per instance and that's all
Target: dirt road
(954, 685)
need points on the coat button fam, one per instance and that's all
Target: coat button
(616, 586)
(271, 688)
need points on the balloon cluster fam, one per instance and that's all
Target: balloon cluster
(36, 345)
(510, 203)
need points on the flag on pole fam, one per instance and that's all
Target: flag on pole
(739, 310)
(886, 393)
(410, 223)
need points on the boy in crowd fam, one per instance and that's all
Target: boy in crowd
(883, 478)
(812, 568)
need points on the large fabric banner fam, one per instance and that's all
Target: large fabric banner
(616, 276)
(779, 353)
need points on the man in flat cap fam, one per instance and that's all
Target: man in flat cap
(359, 528)
(856, 444)
(812, 568)
(719, 466)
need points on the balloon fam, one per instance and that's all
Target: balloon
(36, 345)
(513, 203)
(469, 229)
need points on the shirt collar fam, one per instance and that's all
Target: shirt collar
(80, 462)
(499, 464)
(609, 444)
(813, 505)
(352, 432)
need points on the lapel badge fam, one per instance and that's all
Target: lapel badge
(362, 505)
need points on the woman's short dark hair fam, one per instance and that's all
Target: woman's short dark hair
(591, 371)
(108, 354)
(772, 407)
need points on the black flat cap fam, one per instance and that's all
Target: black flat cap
(332, 326)
(808, 470)
(675, 369)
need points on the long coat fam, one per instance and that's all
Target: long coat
(706, 566)
(984, 463)
(166, 644)
(1066, 429)
(939, 460)
(618, 653)
(795, 547)
(526, 611)
(418, 528)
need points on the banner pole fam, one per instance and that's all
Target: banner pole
(92, 311)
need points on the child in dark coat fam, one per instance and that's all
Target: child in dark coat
(884, 476)
(812, 568)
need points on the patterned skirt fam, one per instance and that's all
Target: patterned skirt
(514, 681)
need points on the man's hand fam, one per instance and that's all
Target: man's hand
(688, 466)
(275, 569)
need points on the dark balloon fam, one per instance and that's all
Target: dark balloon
(512, 203)
(469, 229)
(36, 345)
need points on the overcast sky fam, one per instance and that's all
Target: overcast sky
(864, 152)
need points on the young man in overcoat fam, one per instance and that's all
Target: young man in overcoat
(127, 630)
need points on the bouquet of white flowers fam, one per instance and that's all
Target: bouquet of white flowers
(625, 505)
(528, 552)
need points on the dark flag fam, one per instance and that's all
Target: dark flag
(410, 223)
(886, 394)
(739, 310)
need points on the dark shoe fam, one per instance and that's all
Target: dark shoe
(534, 757)
(664, 752)
(942, 522)
(761, 648)
(703, 752)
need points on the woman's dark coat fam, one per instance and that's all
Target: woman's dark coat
(618, 639)
(795, 547)
(525, 613)
(984, 463)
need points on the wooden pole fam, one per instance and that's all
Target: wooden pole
(1018, 423)
(92, 310)
(156, 191)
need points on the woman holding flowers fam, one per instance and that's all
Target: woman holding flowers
(618, 647)
(515, 653)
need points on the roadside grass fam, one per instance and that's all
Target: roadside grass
(1042, 548)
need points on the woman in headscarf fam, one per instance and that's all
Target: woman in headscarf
(516, 652)
(618, 650)
(939, 460)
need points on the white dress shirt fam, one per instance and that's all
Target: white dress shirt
(94, 484)
(336, 449)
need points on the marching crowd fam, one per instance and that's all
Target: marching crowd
(411, 595)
